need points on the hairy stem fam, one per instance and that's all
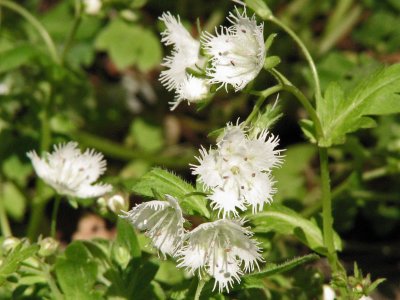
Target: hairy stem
(36, 24)
(303, 48)
(200, 286)
(54, 214)
(286, 85)
(327, 219)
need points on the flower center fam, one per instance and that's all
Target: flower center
(235, 170)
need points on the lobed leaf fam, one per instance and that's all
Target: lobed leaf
(164, 182)
(341, 113)
(77, 273)
(272, 269)
(283, 220)
(13, 259)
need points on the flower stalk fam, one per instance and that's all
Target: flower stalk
(323, 152)
(199, 288)
(54, 214)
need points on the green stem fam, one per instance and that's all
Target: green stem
(73, 31)
(262, 97)
(115, 150)
(36, 24)
(54, 216)
(286, 85)
(327, 219)
(51, 282)
(200, 286)
(5, 225)
(38, 203)
(305, 51)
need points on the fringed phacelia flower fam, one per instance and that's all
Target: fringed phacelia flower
(185, 55)
(71, 172)
(224, 249)
(162, 222)
(238, 171)
(238, 52)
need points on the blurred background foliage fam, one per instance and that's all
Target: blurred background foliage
(102, 90)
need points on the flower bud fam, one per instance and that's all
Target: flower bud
(117, 203)
(48, 246)
(9, 244)
(92, 7)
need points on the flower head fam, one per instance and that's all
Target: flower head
(162, 221)
(238, 170)
(224, 249)
(238, 52)
(185, 54)
(71, 172)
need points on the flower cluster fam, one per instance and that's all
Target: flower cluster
(234, 56)
(71, 172)
(238, 175)
(238, 171)
(221, 248)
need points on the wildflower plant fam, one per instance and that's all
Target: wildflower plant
(217, 234)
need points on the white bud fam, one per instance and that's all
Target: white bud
(117, 203)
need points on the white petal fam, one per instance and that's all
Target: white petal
(162, 221)
(71, 172)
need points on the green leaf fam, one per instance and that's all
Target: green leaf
(342, 113)
(165, 182)
(148, 136)
(16, 57)
(126, 246)
(16, 170)
(14, 201)
(11, 261)
(137, 280)
(272, 269)
(169, 274)
(290, 181)
(129, 44)
(77, 273)
(283, 220)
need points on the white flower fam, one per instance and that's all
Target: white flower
(192, 89)
(238, 170)
(92, 7)
(162, 221)
(223, 249)
(185, 53)
(238, 52)
(71, 172)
